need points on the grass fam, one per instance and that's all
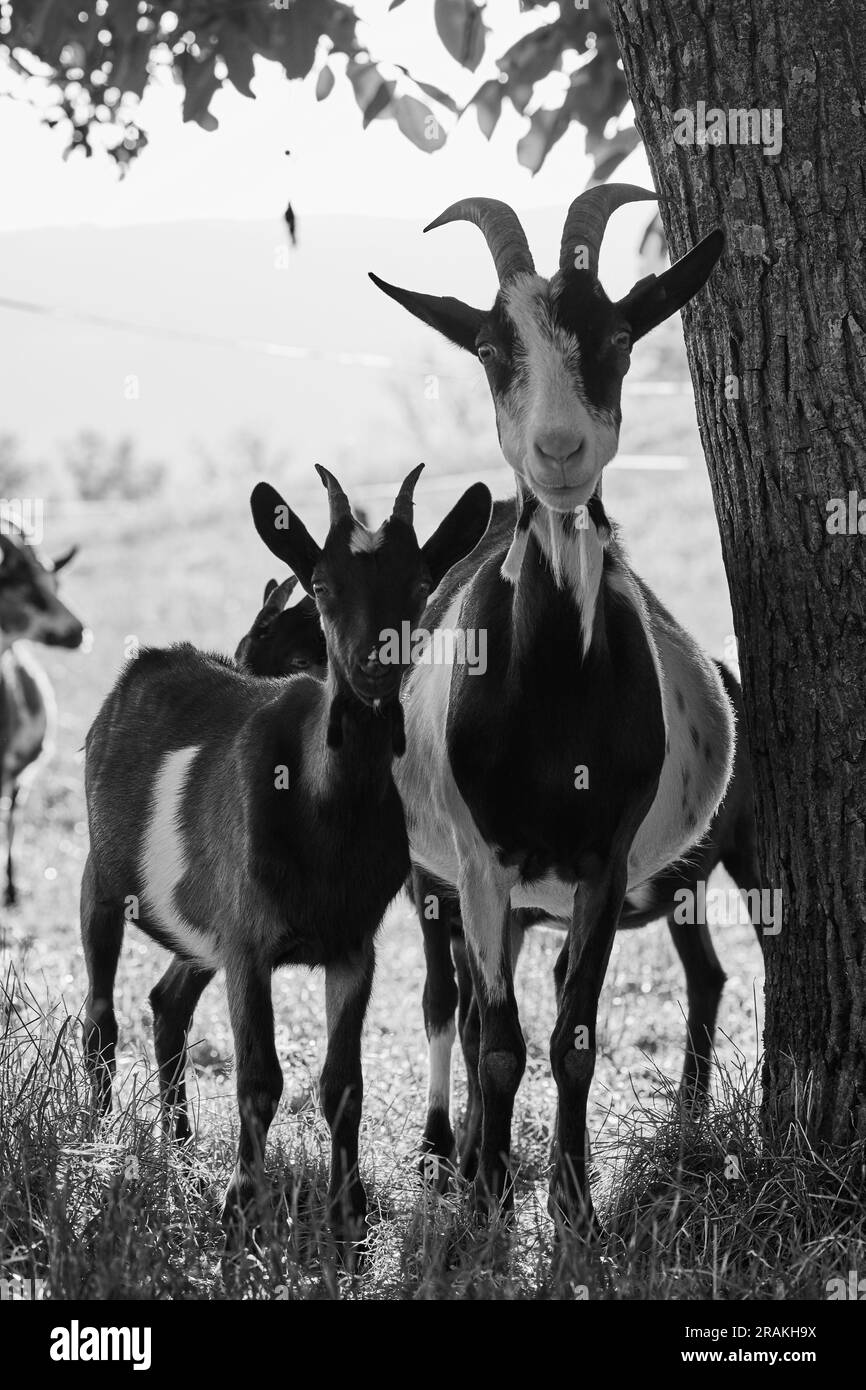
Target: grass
(106, 1209)
(77, 1212)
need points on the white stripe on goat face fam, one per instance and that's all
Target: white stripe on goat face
(164, 859)
(551, 434)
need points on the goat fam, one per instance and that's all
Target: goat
(595, 748)
(257, 824)
(730, 841)
(284, 641)
(29, 611)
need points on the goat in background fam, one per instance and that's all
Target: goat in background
(29, 611)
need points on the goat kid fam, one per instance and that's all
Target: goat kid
(596, 747)
(29, 611)
(259, 825)
(284, 641)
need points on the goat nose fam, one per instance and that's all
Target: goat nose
(557, 445)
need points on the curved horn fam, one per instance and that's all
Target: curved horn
(587, 218)
(502, 232)
(337, 498)
(403, 509)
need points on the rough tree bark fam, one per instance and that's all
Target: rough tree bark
(778, 360)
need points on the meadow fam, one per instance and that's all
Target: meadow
(105, 1210)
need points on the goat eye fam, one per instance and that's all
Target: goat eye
(486, 353)
(321, 590)
(622, 340)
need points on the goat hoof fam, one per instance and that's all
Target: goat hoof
(574, 1213)
(493, 1196)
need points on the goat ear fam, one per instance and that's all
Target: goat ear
(459, 533)
(658, 296)
(269, 589)
(64, 559)
(458, 322)
(283, 533)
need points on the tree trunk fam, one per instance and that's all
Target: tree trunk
(778, 360)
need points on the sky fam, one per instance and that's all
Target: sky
(242, 170)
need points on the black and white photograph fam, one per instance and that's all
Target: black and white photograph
(432, 670)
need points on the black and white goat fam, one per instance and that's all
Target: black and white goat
(29, 611)
(594, 749)
(283, 641)
(246, 823)
(730, 841)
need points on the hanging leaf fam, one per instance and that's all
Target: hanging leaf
(200, 85)
(436, 93)
(372, 93)
(461, 29)
(545, 128)
(534, 56)
(236, 53)
(609, 154)
(294, 35)
(488, 106)
(324, 83)
(395, 5)
(418, 124)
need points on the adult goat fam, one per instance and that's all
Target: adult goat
(596, 746)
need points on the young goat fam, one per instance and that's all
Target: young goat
(284, 641)
(258, 824)
(29, 610)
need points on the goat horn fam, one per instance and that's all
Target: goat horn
(336, 496)
(280, 594)
(502, 232)
(403, 509)
(587, 218)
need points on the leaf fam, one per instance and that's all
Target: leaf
(488, 106)
(545, 128)
(520, 94)
(294, 35)
(418, 124)
(395, 5)
(461, 29)
(200, 85)
(436, 93)
(609, 154)
(324, 83)
(235, 51)
(372, 93)
(381, 101)
(535, 55)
